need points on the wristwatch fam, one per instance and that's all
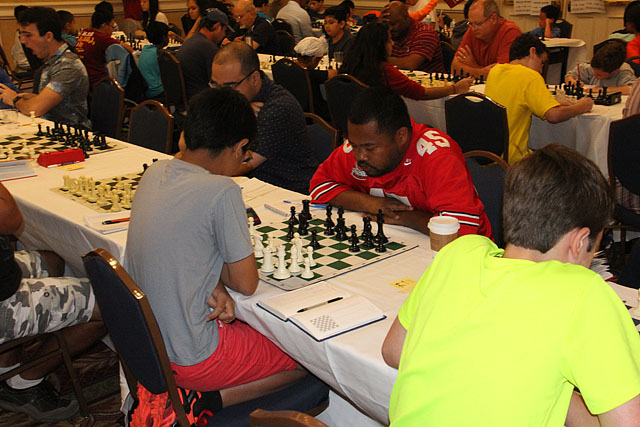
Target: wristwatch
(16, 99)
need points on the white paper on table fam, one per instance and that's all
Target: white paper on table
(16, 169)
(95, 222)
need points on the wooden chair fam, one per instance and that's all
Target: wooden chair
(20, 78)
(296, 80)
(566, 28)
(488, 179)
(467, 116)
(62, 351)
(324, 137)
(151, 126)
(135, 333)
(107, 108)
(283, 419)
(341, 91)
(173, 81)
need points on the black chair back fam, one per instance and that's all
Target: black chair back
(281, 25)
(324, 137)
(172, 80)
(132, 326)
(476, 122)
(487, 173)
(151, 126)
(285, 43)
(566, 28)
(448, 52)
(107, 108)
(296, 80)
(624, 158)
(341, 91)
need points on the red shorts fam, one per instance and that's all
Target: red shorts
(243, 355)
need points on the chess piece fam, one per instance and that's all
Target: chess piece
(312, 261)
(267, 263)
(290, 231)
(380, 246)
(328, 223)
(282, 272)
(366, 227)
(65, 185)
(297, 242)
(292, 218)
(314, 240)
(39, 133)
(115, 207)
(380, 220)
(258, 248)
(307, 273)
(354, 234)
(303, 224)
(341, 230)
(252, 227)
(305, 210)
(126, 201)
(272, 246)
(294, 267)
(368, 241)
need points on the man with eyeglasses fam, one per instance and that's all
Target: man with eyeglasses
(259, 30)
(92, 43)
(197, 52)
(281, 154)
(486, 42)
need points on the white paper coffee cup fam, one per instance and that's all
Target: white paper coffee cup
(442, 230)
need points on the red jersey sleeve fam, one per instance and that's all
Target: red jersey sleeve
(400, 83)
(448, 182)
(333, 176)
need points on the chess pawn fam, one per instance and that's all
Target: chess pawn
(272, 244)
(126, 201)
(65, 179)
(92, 197)
(258, 248)
(115, 207)
(267, 263)
(307, 273)
(310, 256)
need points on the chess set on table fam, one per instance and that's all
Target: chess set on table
(104, 195)
(31, 145)
(574, 92)
(304, 250)
(440, 79)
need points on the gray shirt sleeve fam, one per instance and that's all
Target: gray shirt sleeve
(230, 226)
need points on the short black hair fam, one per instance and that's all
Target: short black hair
(100, 17)
(467, 5)
(523, 43)
(551, 11)
(104, 5)
(634, 18)
(336, 12)
(260, 3)
(609, 57)
(549, 193)
(627, 10)
(348, 3)
(382, 105)
(217, 119)
(45, 18)
(18, 10)
(65, 16)
(157, 33)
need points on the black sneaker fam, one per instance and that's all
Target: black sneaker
(41, 402)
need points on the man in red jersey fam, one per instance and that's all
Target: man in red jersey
(408, 170)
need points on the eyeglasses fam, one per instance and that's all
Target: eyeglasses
(479, 24)
(232, 85)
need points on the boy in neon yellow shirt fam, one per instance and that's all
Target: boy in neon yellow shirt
(519, 86)
(503, 337)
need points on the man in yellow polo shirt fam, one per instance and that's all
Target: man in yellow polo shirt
(519, 86)
(493, 337)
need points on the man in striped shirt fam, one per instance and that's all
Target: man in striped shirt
(408, 170)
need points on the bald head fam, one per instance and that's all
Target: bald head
(238, 52)
(397, 16)
(244, 6)
(484, 19)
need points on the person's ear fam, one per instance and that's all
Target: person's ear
(238, 148)
(578, 242)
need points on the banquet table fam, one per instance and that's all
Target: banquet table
(350, 363)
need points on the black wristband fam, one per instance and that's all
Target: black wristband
(16, 99)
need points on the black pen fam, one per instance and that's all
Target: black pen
(319, 305)
(115, 221)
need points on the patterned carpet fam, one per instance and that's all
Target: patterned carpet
(98, 373)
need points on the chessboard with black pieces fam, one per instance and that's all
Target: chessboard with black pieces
(30, 145)
(116, 185)
(332, 258)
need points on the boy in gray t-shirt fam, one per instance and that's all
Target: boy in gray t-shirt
(188, 239)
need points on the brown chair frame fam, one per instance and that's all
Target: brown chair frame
(183, 89)
(290, 63)
(62, 351)
(335, 134)
(157, 105)
(327, 85)
(493, 158)
(121, 108)
(19, 80)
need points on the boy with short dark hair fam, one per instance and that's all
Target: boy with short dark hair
(504, 337)
(607, 68)
(546, 23)
(339, 35)
(68, 26)
(158, 35)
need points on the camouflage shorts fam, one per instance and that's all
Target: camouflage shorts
(43, 304)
